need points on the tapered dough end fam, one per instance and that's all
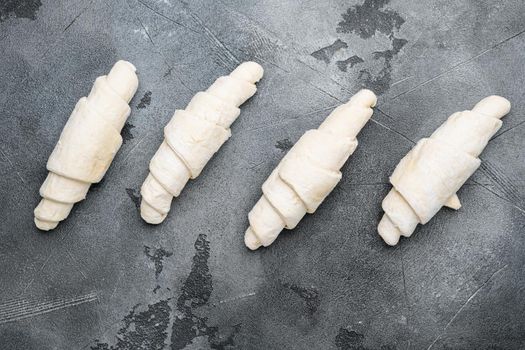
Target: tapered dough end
(400, 213)
(123, 80)
(251, 240)
(388, 231)
(50, 210)
(365, 97)
(150, 215)
(248, 71)
(453, 202)
(45, 225)
(128, 64)
(265, 221)
(494, 106)
(153, 192)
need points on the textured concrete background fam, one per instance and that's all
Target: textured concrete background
(106, 280)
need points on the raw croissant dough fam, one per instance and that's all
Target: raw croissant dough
(193, 136)
(89, 141)
(309, 172)
(429, 176)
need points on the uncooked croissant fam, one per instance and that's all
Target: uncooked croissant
(429, 176)
(88, 143)
(309, 172)
(193, 136)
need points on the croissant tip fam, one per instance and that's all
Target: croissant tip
(388, 232)
(45, 225)
(251, 240)
(365, 97)
(249, 71)
(494, 106)
(127, 63)
(150, 215)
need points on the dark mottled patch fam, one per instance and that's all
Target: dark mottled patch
(148, 329)
(380, 82)
(349, 340)
(309, 295)
(284, 145)
(143, 330)
(222, 342)
(388, 55)
(326, 53)
(145, 100)
(126, 132)
(367, 19)
(134, 195)
(157, 255)
(195, 293)
(19, 9)
(198, 285)
(350, 61)
(156, 289)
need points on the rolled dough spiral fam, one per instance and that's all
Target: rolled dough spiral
(429, 176)
(87, 145)
(309, 172)
(193, 136)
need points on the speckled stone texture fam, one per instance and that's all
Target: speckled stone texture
(106, 280)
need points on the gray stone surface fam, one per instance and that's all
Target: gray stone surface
(105, 280)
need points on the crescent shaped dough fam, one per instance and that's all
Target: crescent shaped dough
(87, 145)
(193, 136)
(308, 172)
(429, 176)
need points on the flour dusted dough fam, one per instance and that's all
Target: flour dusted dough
(429, 176)
(309, 172)
(89, 141)
(193, 136)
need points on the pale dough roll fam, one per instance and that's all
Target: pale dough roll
(87, 144)
(309, 172)
(193, 136)
(429, 176)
